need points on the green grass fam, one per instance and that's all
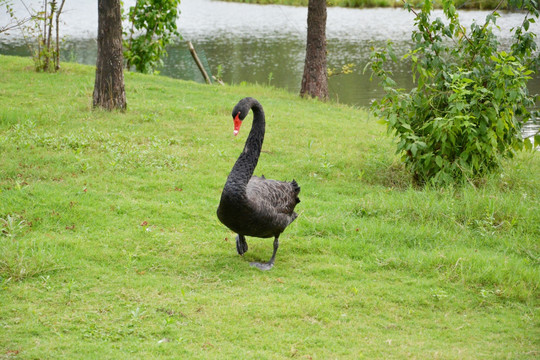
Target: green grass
(110, 247)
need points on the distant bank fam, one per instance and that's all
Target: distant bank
(460, 4)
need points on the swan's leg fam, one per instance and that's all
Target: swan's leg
(241, 244)
(270, 263)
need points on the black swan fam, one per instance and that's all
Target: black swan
(250, 205)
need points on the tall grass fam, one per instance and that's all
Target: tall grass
(110, 246)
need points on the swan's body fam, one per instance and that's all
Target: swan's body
(251, 205)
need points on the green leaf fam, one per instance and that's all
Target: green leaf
(528, 144)
(507, 70)
(414, 149)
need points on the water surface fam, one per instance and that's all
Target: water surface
(264, 43)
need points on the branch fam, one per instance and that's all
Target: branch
(18, 23)
(483, 29)
(416, 14)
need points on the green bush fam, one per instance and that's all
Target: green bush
(471, 100)
(153, 25)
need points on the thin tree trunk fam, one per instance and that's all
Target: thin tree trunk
(42, 41)
(57, 62)
(109, 91)
(315, 78)
(47, 52)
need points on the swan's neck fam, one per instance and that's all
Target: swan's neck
(244, 167)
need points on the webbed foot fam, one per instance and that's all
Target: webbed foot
(262, 266)
(270, 264)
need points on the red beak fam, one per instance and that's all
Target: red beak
(237, 123)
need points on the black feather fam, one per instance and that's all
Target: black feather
(250, 205)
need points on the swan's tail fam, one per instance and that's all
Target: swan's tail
(296, 189)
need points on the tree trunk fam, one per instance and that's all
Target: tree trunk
(315, 79)
(109, 90)
(57, 61)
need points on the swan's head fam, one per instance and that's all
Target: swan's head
(237, 123)
(239, 113)
(242, 109)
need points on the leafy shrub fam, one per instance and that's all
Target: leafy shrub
(153, 25)
(471, 100)
(37, 32)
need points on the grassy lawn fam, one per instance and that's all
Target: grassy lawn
(110, 247)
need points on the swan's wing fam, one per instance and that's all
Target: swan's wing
(281, 196)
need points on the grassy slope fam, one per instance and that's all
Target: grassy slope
(119, 245)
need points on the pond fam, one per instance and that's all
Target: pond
(263, 43)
